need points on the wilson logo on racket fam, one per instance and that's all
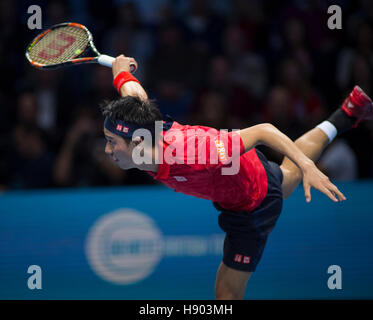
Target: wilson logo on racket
(58, 46)
(66, 44)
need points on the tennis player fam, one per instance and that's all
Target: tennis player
(250, 199)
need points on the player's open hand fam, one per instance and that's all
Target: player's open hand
(314, 178)
(122, 63)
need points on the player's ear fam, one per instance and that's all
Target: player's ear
(136, 141)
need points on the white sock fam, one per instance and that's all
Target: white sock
(329, 129)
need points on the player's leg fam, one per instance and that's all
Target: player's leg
(230, 284)
(356, 107)
(246, 237)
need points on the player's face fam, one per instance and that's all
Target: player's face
(118, 150)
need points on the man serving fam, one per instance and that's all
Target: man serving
(249, 196)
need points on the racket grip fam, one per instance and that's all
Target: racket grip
(107, 61)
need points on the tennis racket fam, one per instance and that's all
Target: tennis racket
(66, 44)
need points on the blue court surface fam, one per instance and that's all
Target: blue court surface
(153, 243)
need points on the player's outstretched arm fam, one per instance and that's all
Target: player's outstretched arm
(270, 136)
(129, 88)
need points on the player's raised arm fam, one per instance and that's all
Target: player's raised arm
(124, 81)
(270, 136)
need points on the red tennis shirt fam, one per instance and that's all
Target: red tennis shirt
(193, 159)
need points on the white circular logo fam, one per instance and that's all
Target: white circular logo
(124, 246)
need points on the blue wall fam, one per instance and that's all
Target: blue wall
(153, 243)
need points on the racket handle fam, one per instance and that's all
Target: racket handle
(107, 61)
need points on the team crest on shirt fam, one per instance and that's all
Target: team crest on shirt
(221, 150)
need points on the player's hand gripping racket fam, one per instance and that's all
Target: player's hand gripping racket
(66, 44)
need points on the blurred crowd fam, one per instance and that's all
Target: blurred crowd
(226, 64)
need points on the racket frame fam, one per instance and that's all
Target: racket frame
(79, 59)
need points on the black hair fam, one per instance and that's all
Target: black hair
(132, 109)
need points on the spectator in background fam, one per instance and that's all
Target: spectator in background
(27, 108)
(8, 115)
(47, 97)
(247, 69)
(57, 12)
(81, 160)
(32, 161)
(6, 125)
(339, 162)
(314, 15)
(362, 74)
(238, 101)
(203, 26)
(363, 12)
(292, 42)
(129, 36)
(171, 73)
(248, 16)
(299, 31)
(12, 39)
(52, 94)
(100, 88)
(149, 12)
(212, 111)
(305, 106)
(349, 59)
(38, 110)
(203, 30)
(24, 115)
(296, 46)
(276, 110)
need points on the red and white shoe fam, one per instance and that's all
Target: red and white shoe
(358, 105)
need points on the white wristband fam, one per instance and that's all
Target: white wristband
(329, 129)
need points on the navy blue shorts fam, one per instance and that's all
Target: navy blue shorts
(247, 231)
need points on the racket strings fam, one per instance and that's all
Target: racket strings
(59, 45)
